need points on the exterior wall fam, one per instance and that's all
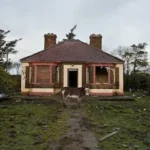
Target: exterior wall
(105, 92)
(23, 78)
(41, 91)
(95, 89)
(65, 72)
(121, 80)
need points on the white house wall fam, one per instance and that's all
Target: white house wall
(23, 78)
(66, 67)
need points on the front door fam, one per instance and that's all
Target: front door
(73, 78)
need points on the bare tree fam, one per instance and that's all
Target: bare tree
(16, 66)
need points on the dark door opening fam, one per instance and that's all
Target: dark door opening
(73, 78)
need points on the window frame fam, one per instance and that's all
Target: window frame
(108, 75)
(94, 72)
(35, 65)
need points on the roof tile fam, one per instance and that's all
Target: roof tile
(72, 51)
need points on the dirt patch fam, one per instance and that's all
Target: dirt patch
(78, 136)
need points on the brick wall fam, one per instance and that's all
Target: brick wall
(96, 41)
(50, 40)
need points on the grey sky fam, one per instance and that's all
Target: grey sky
(121, 22)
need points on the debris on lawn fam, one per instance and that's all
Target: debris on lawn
(108, 135)
(136, 146)
(124, 145)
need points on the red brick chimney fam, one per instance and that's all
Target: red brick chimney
(96, 41)
(50, 40)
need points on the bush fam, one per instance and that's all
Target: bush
(7, 83)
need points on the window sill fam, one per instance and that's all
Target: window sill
(42, 83)
(100, 83)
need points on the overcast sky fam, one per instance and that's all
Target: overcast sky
(121, 22)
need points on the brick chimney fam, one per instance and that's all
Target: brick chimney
(96, 41)
(50, 40)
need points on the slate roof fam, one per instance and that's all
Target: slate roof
(72, 51)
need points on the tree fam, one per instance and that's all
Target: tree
(136, 63)
(124, 53)
(7, 83)
(6, 48)
(71, 35)
(16, 66)
(139, 57)
(139, 60)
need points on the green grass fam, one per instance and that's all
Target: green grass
(31, 125)
(132, 117)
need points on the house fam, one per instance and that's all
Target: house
(72, 63)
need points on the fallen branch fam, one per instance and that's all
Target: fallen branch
(108, 135)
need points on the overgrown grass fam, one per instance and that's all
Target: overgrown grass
(31, 125)
(131, 117)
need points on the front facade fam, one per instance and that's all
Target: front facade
(74, 64)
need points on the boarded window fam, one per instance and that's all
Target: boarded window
(90, 69)
(101, 74)
(117, 77)
(43, 74)
(54, 74)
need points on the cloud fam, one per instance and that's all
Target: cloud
(120, 22)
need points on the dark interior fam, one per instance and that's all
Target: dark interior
(73, 78)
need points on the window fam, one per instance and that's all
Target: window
(43, 74)
(101, 74)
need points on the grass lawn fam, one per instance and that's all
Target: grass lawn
(31, 125)
(131, 118)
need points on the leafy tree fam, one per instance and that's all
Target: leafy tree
(139, 61)
(139, 57)
(71, 35)
(7, 83)
(6, 48)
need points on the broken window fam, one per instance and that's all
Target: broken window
(101, 74)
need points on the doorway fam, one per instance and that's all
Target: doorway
(73, 78)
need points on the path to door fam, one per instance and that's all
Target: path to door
(78, 137)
